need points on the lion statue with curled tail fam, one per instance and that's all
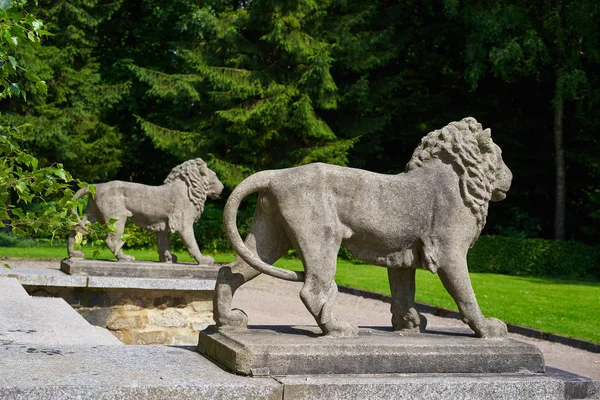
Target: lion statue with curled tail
(428, 216)
(170, 208)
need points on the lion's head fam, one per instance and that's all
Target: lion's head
(200, 180)
(477, 160)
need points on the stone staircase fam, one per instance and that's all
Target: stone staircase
(26, 320)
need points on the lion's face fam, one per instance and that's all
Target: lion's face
(503, 177)
(214, 187)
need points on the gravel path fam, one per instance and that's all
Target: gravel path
(270, 301)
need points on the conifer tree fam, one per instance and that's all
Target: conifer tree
(256, 88)
(67, 119)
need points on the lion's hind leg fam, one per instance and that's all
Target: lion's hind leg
(72, 237)
(164, 244)
(319, 291)
(404, 314)
(115, 243)
(269, 241)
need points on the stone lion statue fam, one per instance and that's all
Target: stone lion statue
(170, 208)
(426, 217)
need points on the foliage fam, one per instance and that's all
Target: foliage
(66, 117)
(255, 87)
(535, 258)
(22, 180)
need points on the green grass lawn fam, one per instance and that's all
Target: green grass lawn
(570, 308)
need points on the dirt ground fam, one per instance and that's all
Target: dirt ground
(270, 301)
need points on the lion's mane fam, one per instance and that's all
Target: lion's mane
(190, 172)
(470, 150)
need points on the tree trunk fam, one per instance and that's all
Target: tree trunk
(559, 212)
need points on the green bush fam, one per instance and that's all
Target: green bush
(535, 257)
(7, 239)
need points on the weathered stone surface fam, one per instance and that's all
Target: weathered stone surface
(150, 283)
(171, 207)
(33, 320)
(555, 385)
(299, 350)
(138, 269)
(179, 314)
(43, 277)
(427, 217)
(121, 319)
(167, 318)
(123, 373)
(10, 288)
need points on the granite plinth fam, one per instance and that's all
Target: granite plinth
(138, 269)
(279, 350)
(42, 372)
(554, 385)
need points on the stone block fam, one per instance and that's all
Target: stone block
(10, 288)
(138, 269)
(44, 277)
(300, 350)
(167, 318)
(123, 373)
(150, 283)
(155, 336)
(121, 319)
(41, 320)
(555, 385)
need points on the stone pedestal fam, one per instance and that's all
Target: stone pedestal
(277, 350)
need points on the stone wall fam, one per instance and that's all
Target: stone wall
(140, 316)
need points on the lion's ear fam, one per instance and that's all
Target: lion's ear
(484, 139)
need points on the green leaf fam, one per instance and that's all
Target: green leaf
(7, 266)
(12, 61)
(5, 5)
(21, 186)
(19, 232)
(15, 88)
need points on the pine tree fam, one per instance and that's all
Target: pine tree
(67, 119)
(256, 87)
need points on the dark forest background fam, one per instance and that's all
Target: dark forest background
(136, 87)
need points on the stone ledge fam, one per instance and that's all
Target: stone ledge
(121, 372)
(56, 278)
(138, 269)
(554, 385)
(277, 350)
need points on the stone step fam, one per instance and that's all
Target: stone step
(10, 288)
(26, 320)
(121, 372)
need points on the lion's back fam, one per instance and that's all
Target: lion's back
(119, 198)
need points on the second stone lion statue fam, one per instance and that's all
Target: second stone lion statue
(170, 208)
(427, 217)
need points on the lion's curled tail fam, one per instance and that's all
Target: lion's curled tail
(259, 182)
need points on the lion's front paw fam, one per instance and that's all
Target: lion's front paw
(206, 260)
(236, 319)
(76, 254)
(342, 330)
(492, 329)
(125, 258)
